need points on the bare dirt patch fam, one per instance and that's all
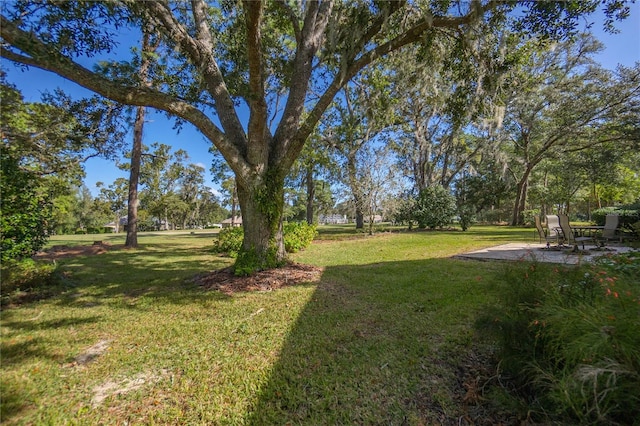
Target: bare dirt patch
(225, 281)
(62, 252)
(90, 354)
(124, 385)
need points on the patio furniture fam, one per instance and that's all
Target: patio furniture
(610, 230)
(543, 235)
(569, 236)
(554, 229)
(587, 230)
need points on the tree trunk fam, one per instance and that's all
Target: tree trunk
(136, 151)
(521, 199)
(234, 198)
(356, 190)
(359, 212)
(263, 244)
(311, 193)
(134, 178)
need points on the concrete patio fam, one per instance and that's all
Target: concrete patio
(539, 252)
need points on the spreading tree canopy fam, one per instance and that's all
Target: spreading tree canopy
(42, 148)
(282, 61)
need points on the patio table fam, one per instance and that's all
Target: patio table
(582, 230)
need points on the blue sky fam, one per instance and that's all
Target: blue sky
(622, 48)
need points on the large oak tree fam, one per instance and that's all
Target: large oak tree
(220, 58)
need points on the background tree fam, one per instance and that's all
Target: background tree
(55, 137)
(63, 219)
(211, 210)
(193, 193)
(43, 147)
(230, 197)
(485, 187)
(89, 217)
(146, 59)
(313, 171)
(352, 125)
(435, 105)
(115, 198)
(560, 102)
(218, 57)
(224, 176)
(160, 174)
(377, 183)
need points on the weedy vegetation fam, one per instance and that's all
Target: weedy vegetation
(569, 341)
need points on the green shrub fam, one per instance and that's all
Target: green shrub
(26, 279)
(92, 230)
(628, 215)
(298, 236)
(529, 216)
(404, 210)
(467, 214)
(435, 207)
(569, 338)
(26, 208)
(599, 215)
(229, 241)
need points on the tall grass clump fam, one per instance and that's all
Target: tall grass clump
(569, 339)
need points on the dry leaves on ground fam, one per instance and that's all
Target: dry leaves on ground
(225, 281)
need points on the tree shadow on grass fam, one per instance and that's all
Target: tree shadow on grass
(25, 348)
(19, 348)
(118, 278)
(162, 272)
(376, 344)
(13, 400)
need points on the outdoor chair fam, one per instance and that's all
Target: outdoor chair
(569, 236)
(610, 230)
(543, 235)
(554, 229)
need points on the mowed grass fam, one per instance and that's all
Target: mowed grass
(128, 338)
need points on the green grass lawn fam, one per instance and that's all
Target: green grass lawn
(378, 340)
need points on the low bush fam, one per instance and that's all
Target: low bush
(229, 241)
(403, 212)
(297, 236)
(529, 216)
(467, 216)
(434, 208)
(26, 280)
(569, 339)
(96, 230)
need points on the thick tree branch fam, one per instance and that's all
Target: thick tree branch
(45, 58)
(315, 23)
(200, 52)
(293, 18)
(477, 10)
(258, 146)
